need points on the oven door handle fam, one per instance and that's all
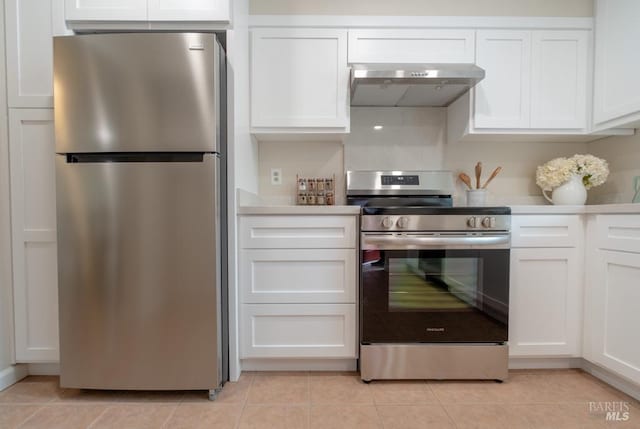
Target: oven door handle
(416, 241)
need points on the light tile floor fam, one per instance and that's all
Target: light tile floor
(529, 399)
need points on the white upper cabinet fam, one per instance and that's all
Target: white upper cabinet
(299, 80)
(30, 25)
(106, 10)
(188, 10)
(617, 64)
(536, 84)
(502, 98)
(559, 61)
(114, 14)
(411, 46)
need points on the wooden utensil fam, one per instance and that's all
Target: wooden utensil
(478, 174)
(464, 177)
(493, 175)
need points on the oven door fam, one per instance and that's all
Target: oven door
(434, 289)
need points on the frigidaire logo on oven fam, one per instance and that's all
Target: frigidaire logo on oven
(435, 329)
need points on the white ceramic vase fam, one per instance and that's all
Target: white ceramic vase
(572, 192)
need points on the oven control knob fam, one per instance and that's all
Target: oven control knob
(402, 222)
(472, 222)
(489, 222)
(386, 222)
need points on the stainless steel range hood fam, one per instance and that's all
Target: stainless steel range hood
(411, 85)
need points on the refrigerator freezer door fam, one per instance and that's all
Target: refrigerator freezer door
(138, 274)
(140, 92)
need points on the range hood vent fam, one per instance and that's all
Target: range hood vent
(411, 85)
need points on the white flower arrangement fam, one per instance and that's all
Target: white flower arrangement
(594, 171)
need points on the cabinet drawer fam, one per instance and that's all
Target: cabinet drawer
(298, 331)
(298, 232)
(619, 232)
(546, 230)
(412, 46)
(298, 276)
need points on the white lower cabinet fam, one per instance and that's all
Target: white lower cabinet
(613, 293)
(298, 282)
(298, 331)
(33, 224)
(545, 311)
(545, 302)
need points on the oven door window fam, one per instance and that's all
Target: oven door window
(435, 296)
(434, 284)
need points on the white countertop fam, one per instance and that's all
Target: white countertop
(298, 210)
(586, 209)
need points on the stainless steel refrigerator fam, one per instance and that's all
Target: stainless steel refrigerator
(140, 143)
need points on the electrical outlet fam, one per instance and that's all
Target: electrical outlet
(276, 176)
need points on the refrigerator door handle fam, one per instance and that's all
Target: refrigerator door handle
(77, 158)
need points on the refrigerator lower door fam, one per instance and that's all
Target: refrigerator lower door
(138, 273)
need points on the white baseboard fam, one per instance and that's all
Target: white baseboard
(44, 368)
(299, 364)
(12, 375)
(630, 388)
(544, 363)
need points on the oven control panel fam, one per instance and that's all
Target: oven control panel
(436, 223)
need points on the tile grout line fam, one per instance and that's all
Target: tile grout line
(244, 403)
(442, 405)
(175, 408)
(99, 416)
(36, 411)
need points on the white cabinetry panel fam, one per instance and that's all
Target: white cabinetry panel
(619, 232)
(106, 10)
(615, 316)
(411, 46)
(502, 98)
(188, 10)
(35, 273)
(546, 231)
(297, 232)
(298, 330)
(617, 65)
(559, 79)
(546, 302)
(298, 276)
(29, 30)
(299, 78)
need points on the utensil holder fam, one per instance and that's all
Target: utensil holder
(476, 197)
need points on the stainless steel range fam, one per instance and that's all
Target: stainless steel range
(434, 279)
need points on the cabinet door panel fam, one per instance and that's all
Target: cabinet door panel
(615, 316)
(298, 276)
(298, 331)
(106, 10)
(299, 78)
(298, 232)
(33, 218)
(29, 53)
(502, 98)
(559, 79)
(411, 46)
(617, 65)
(546, 302)
(188, 10)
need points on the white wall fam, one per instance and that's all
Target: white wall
(623, 155)
(426, 7)
(307, 159)
(412, 138)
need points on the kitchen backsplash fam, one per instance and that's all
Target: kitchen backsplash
(623, 155)
(414, 138)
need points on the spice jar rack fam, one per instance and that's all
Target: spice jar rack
(317, 191)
